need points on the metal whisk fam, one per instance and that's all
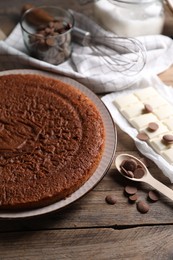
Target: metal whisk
(121, 54)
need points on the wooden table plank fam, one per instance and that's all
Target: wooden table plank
(94, 244)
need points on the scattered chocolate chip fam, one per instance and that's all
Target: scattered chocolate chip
(142, 136)
(111, 199)
(142, 206)
(153, 126)
(153, 195)
(139, 173)
(133, 198)
(147, 108)
(168, 139)
(130, 190)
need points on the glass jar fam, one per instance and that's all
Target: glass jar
(47, 33)
(130, 18)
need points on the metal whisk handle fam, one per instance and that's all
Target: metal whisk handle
(80, 36)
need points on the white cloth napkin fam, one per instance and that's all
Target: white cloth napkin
(86, 66)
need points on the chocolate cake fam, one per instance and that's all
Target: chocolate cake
(51, 140)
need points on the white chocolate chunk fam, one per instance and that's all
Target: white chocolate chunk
(158, 145)
(143, 120)
(161, 129)
(132, 108)
(149, 92)
(168, 155)
(169, 123)
(123, 101)
(164, 111)
(155, 101)
(133, 111)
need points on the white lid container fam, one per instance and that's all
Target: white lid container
(130, 18)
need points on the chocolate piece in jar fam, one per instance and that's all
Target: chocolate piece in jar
(51, 45)
(48, 40)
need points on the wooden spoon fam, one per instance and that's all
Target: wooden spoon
(147, 177)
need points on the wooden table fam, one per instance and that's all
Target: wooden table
(90, 228)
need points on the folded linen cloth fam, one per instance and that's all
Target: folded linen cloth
(85, 65)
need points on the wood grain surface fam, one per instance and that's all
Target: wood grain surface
(90, 228)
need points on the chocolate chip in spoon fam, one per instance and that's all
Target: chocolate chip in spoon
(146, 176)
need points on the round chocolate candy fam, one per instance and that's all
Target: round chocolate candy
(111, 199)
(139, 173)
(153, 126)
(142, 206)
(142, 136)
(50, 41)
(126, 172)
(153, 195)
(129, 165)
(168, 139)
(130, 190)
(147, 108)
(133, 198)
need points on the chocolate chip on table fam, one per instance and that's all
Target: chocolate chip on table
(153, 126)
(142, 206)
(168, 139)
(111, 199)
(142, 136)
(153, 195)
(133, 197)
(130, 190)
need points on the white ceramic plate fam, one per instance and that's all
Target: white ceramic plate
(105, 163)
